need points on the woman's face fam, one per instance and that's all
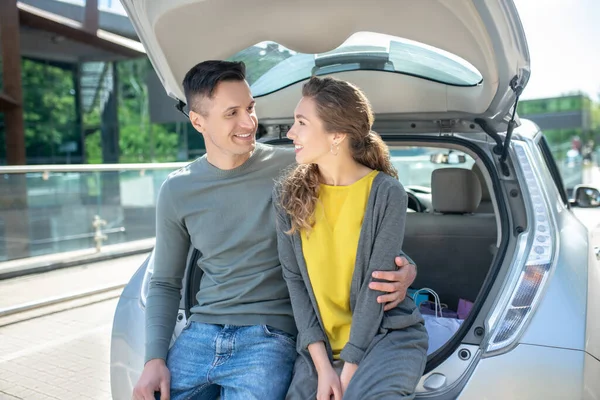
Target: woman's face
(312, 142)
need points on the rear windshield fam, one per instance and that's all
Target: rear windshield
(270, 66)
(415, 165)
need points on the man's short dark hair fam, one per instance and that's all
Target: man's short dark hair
(203, 78)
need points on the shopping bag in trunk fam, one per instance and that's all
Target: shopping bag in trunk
(439, 327)
(430, 308)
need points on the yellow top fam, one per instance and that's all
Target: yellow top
(330, 254)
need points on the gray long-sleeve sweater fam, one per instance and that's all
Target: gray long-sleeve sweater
(380, 242)
(228, 216)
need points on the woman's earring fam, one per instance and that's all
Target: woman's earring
(337, 149)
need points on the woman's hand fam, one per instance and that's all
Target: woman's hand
(347, 373)
(329, 386)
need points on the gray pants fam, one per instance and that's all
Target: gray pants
(390, 369)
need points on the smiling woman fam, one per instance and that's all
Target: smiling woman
(272, 66)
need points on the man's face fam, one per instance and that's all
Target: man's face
(228, 121)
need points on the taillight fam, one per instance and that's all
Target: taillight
(534, 261)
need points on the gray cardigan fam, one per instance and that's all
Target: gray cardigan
(380, 241)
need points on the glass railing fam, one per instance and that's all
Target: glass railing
(52, 209)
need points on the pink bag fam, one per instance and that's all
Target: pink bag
(464, 308)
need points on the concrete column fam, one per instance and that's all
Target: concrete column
(11, 69)
(90, 19)
(14, 212)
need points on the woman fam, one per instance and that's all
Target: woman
(340, 216)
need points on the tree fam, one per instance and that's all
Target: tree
(139, 139)
(48, 109)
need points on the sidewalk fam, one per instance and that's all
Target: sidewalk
(51, 262)
(63, 282)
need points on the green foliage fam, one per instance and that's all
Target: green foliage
(561, 138)
(156, 144)
(50, 116)
(552, 105)
(557, 136)
(596, 117)
(93, 148)
(139, 139)
(48, 109)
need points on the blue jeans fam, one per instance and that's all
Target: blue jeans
(235, 362)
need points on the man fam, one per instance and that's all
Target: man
(240, 338)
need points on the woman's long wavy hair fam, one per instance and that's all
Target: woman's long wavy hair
(343, 108)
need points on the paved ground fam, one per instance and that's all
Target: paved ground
(60, 356)
(67, 281)
(64, 355)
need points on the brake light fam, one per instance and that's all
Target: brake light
(536, 254)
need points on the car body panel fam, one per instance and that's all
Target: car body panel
(128, 339)
(591, 383)
(591, 218)
(592, 339)
(129, 335)
(528, 372)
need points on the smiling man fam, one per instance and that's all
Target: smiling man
(240, 339)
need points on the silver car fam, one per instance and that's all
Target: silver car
(490, 221)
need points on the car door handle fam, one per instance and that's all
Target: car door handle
(597, 252)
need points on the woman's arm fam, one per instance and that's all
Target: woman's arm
(395, 283)
(329, 384)
(318, 353)
(368, 314)
(309, 329)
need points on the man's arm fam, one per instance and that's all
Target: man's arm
(162, 302)
(170, 256)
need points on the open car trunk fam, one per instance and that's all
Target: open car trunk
(459, 255)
